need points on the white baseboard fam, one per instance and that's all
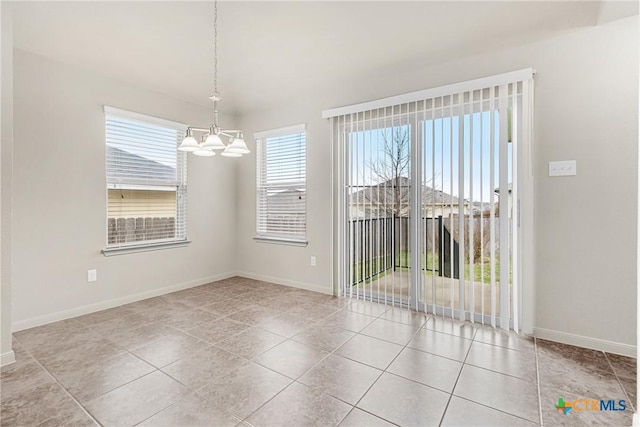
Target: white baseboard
(636, 420)
(7, 358)
(587, 342)
(291, 283)
(103, 305)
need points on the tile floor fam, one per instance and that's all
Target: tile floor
(243, 352)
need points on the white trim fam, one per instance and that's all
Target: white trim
(281, 241)
(285, 282)
(7, 358)
(495, 80)
(103, 305)
(636, 420)
(280, 131)
(586, 342)
(133, 248)
(125, 186)
(144, 118)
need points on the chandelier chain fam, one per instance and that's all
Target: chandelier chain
(215, 48)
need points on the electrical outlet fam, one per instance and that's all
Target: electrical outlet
(92, 275)
(313, 261)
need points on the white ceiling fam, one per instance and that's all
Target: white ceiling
(269, 51)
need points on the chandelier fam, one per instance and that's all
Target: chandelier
(210, 140)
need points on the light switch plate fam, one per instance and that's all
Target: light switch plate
(562, 168)
(313, 261)
(92, 275)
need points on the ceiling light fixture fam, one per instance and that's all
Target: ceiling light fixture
(211, 141)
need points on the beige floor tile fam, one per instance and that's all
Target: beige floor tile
(404, 402)
(286, 325)
(426, 368)
(390, 331)
(499, 391)
(244, 390)
(579, 378)
(503, 338)
(440, 344)
(348, 320)
(312, 311)
(224, 308)
(629, 386)
(341, 378)
(204, 366)
(251, 342)
(408, 317)
(359, 418)
(299, 405)
(170, 349)
(521, 364)
(624, 367)
(194, 411)
(95, 380)
(133, 339)
(23, 378)
(218, 330)
(104, 315)
(452, 327)
(135, 402)
(35, 405)
(189, 319)
(291, 358)
(116, 324)
(108, 360)
(254, 315)
(576, 356)
(81, 356)
(461, 412)
(35, 337)
(62, 342)
(324, 338)
(370, 351)
(366, 307)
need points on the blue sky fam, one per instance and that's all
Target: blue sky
(440, 141)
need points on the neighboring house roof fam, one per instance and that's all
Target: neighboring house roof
(148, 169)
(386, 191)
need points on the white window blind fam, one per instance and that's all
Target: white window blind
(281, 184)
(146, 180)
(432, 188)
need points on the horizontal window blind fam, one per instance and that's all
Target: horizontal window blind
(146, 180)
(281, 184)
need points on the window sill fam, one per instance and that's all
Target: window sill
(144, 248)
(281, 241)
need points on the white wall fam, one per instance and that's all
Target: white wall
(6, 171)
(60, 197)
(586, 108)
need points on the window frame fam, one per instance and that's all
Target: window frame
(260, 138)
(180, 186)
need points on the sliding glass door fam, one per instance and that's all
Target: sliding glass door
(431, 196)
(378, 193)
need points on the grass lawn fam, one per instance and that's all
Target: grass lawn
(481, 272)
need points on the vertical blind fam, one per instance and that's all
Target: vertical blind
(430, 193)
(281, 184)
(146, 180)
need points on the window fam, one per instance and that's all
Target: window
(282, 185)
(146, 181)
